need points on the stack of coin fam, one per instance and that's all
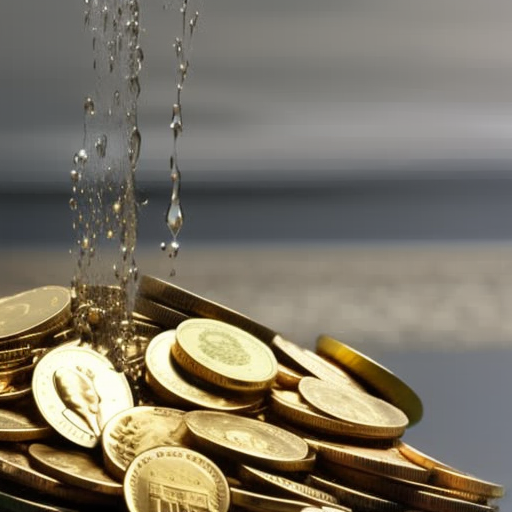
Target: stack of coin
(235, 418)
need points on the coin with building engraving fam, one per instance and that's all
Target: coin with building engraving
(34, 310)
(77, 390)
(172, 478)
(224, 355)
(174, 389)
(23, 422)
(136, 430)
(361, 409)
(82, 468)
(247, 440)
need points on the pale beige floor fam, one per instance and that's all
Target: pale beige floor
(442, 296)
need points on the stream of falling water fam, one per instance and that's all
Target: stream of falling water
(103, 182)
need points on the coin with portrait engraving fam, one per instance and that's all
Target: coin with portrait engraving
(224, 355)
(77, 391)
(138, 429)
(172, 478)
(34, 310)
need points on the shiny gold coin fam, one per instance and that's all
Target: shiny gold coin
(135, 430)
(385, 462)
(382, 380)
(22, 422)
(248, 440)
(369, 414)
(355, 499)
(446, 476)
(75, 467)
(14, 393)
(312, 364)
(287, 378)
(14, 354)
(170, 478)
(162, 315)
(15, 466)
(16, 377)
(411, 494)
(34, 310)
(77, 391)
(281, 485)
(255, 502)
(173, 389)
(224, 355)
(196, 306)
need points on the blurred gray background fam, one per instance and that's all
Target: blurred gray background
(347, 167)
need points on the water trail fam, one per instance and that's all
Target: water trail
(103, 200)
(182, 47)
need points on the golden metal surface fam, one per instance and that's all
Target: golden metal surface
(255, 502)
(363, 410)
(174, 389)
(22, 422)
(162, 315)
(135, 430)
(247, 440)
(224, 355)
(77, 391)
(170, 478)
(287, 378)
(382, 380)
(34, 310)
(75, 467)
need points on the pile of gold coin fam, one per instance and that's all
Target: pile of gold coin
(230, 416)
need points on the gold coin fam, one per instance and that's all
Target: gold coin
(75, 467)
(352, 498)
(247, 440)
(287, 378)
(15, 354)
(196, 306)
(385, 462)
(22, 422)
(224, 355)
(255, 502)
(446, 476)
(170, 478)
(172, 388)
(16, 377)
(385, 382)
(364, 411)
(313, 364)
(412, 494)
(15, 466)
(135, 430)
(77, 391)
(14, 393)
(34, 310)
(162, 315)
(281, 485)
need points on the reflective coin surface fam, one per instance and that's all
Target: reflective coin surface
(23, 422)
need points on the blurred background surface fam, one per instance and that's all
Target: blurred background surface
(347, 168)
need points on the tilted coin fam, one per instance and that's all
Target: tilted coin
(16, 377)
(224, 355)
(280, 484)
(352, 498)
(195, 306)
(446, 476)
(75, 467)
(34, 310)
(162, 315)
(256, 502)
(382, 380)
(248, 440)
(135, 430)
(23, 422)
(385, 462)
(13, 393)
(287, 378)
(171, 478)
(77, 391)
(173, 389)
(368, 413)
(15, 466)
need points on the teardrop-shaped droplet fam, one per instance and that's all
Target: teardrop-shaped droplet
(89, 106)
(174, 218)
(176, 121)
(134, 149)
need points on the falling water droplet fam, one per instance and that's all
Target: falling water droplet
(176, 121)
(135, 142)
(174, 218)
(89, 106)
(163, 246)
(101, 146)
(110, 234)
(85, 243)
(116, 207)
(174, 248)
(80, 158)
(74, 175)
(73, 204)
(135, 86)
(193, 23)
(117, 98)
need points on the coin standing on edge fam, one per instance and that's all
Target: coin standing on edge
(169, 478)
(77, 390)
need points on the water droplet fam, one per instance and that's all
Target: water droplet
(85, 243)
(132, 27)
(101, 146)
(135, 142)
(174, 247)
(174, 218)
(89, 106)
(116, 207)
(193, 22)
(80, 157)
(110, 234)
(74, 175)
(178, 48)
(163, 246)
(73, 204)
(176, 121)
(117, 98)
(135, 86)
